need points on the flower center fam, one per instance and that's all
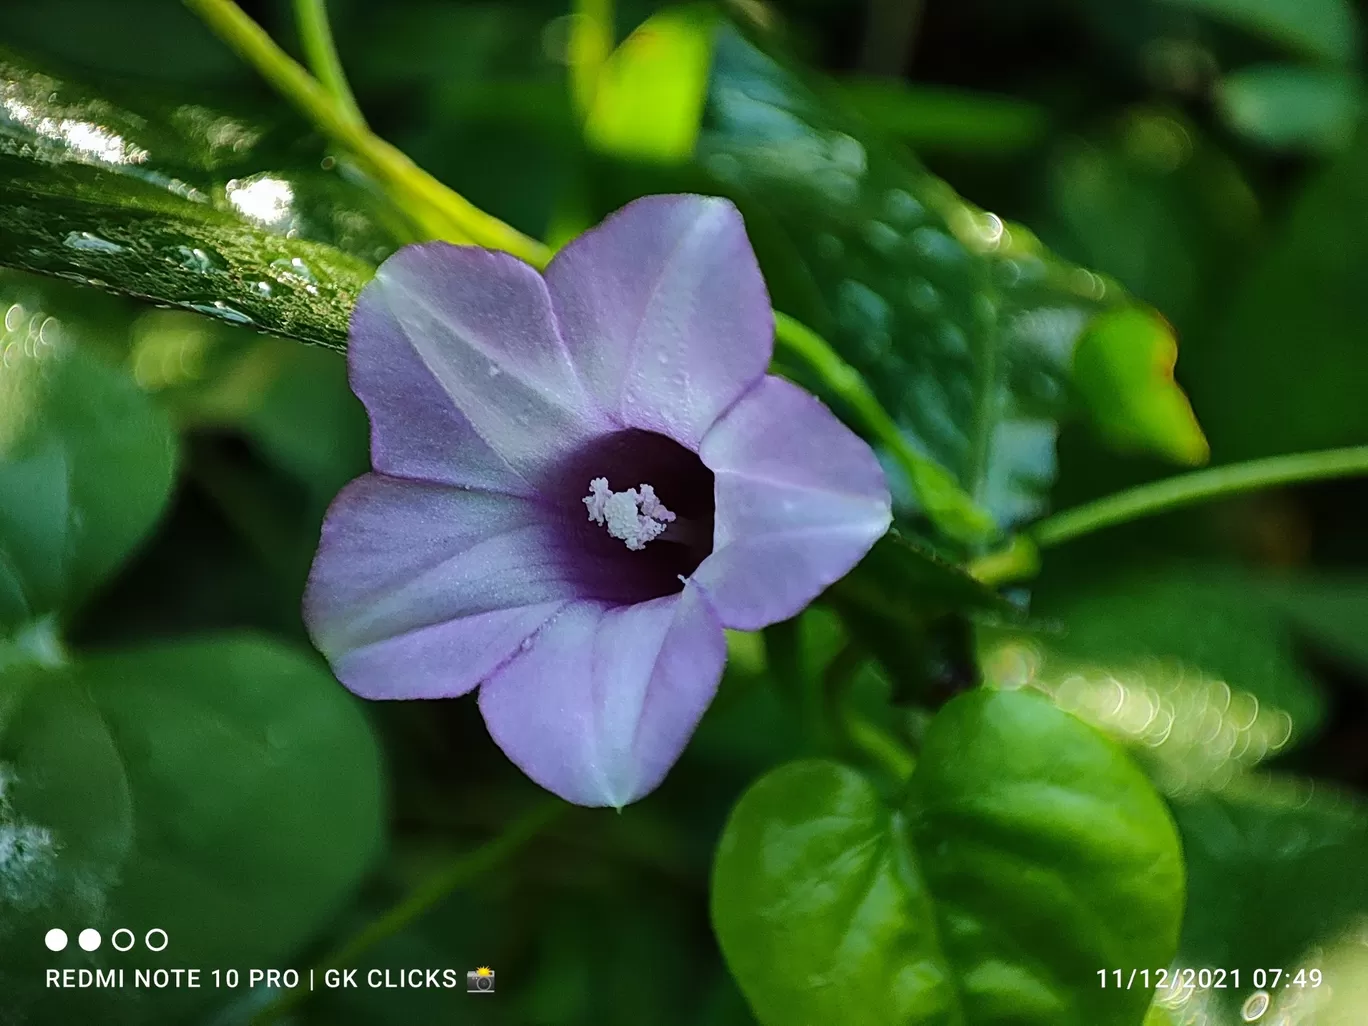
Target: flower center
(635, 516)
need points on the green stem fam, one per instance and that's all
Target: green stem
(944, 501)
(1021, 559)
(1201, 486)
(462, 871)
(315, 34)
(439, 212)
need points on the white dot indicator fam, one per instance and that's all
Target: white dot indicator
(89, 940)
(56, 939)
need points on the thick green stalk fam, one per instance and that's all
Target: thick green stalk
(315, 35)
(438, 211)
(952, 510)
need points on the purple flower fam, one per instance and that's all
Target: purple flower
(628, 384)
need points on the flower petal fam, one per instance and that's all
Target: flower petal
(421, 590)
(800, 500)
(665, 313)
(453, 344)
(416, 430)
(600, 706)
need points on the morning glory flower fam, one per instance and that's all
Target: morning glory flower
(579, 481)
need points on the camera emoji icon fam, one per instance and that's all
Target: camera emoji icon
(480, 981)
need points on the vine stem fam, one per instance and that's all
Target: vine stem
(1200, 486)
(438, 211)
(460, 872)
(1021, 558)
(940, 495)
(315, 35)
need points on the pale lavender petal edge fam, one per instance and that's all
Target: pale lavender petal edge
(800, 499)
(603, 701)
(665, 313)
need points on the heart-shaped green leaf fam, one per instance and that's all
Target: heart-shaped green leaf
(1029, 853)
(226, 790)
(86, 463)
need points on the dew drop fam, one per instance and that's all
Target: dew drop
(218, 308)
(936, 245)
(829, 246)
(923, 296)
(90, 243)
(292, 268)
(203, 261)
(881, 237)
(902, 208)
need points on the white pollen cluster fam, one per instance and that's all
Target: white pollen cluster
(635, 516)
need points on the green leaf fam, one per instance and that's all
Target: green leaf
(1269, 383)
(1290, 107)
(1213, 621)
(1193, 668)
(908, 608)
(1274, 866)
(177, 206)
(1029, 853)
(903, 581)
(649, 96)
(1123, 367)
(225, 790)
(1332, 612)
(86, 463)
(1324, 29)
(962, 324)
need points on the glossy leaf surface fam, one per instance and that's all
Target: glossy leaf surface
(180, 205)
(1028, 852)
(963, 325)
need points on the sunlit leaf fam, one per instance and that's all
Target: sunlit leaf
(1123, 367)
(176, 205)
(1029, 853)
(648, 99)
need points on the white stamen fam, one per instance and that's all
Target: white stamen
(636, 516)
